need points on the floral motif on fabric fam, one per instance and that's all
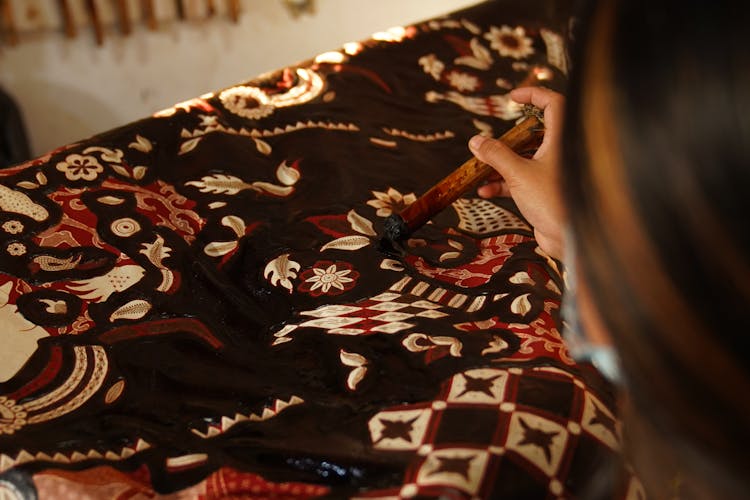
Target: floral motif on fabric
(328, 278)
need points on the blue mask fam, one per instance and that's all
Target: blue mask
(581, 349)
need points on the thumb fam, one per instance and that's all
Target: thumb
(499, 156)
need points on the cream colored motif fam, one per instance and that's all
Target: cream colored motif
(220, 248)
(392, 200)
(419, 342)
(50, 263)
(556, 53)
(547, 458)
(101, 368)
(358, 363)
(328, 278)
(268, 412)
(463, 81)
(156, 252)
(16, 249)
(55, 306)
(12, 416)
(500, 106)
(99, 288)
(254, 103)
(24, 457)
(12, 227)
(432, 65)
(231, 185)
(135, 309)
(141, 144)
(399, 429)
(481, 217)
(359, 224)
(281, 271)
(19, 203)
(510, 42)
(468, 479)
(80, 167)
(437, 136)
(481, 58)
(125, 227)
(18, 336)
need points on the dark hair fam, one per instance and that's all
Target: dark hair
(674, 294)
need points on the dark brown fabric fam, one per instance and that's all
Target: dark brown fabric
(209, 294)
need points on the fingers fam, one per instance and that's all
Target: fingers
(493, 189)
(553, 105)
(497, 155)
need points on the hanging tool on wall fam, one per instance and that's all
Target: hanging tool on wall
(149, 14)
(10, 32)
(123, 12)
(96, 20)
(67, 18)
(234, 10)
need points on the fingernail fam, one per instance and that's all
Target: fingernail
(476, 142)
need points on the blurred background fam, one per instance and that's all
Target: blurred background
(73, 68)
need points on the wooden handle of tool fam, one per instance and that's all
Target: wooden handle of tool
(526, 135)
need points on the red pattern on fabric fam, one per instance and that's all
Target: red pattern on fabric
(493, 253)
(230, 483)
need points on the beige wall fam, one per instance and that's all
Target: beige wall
(69, 89)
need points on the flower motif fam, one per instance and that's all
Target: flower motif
(78, 167)
(391, 201)
(16, 249)
(462, 81)
(328, 277)
(510, 42)
(12, 416)
(13, 226)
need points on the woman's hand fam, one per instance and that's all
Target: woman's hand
(532, 183)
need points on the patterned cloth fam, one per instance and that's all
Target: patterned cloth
(196, 304)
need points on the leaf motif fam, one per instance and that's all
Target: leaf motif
(352, 358)
(497, 344)
(273, 188)
(235, 224)
(454, 345)
(287, 175)
(522, 277)
(217, 204)
(27, 185)
(391, 265)
(219, 248)
(109, 155)
(360, 224)
(347, 243)
(135, 309)
(110, 200)
(139, 172)
(355, 377)
(121, 170)
(141, 144)
(114, 392)
(449, 256)
(188, 146)
(521, 305)
(41, 178)
(263, 146)
(456, 244)
(220, 184)
(281, 271)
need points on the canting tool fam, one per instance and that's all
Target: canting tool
(525, 136)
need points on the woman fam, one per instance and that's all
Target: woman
(647, 173)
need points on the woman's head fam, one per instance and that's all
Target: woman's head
(657, 161)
